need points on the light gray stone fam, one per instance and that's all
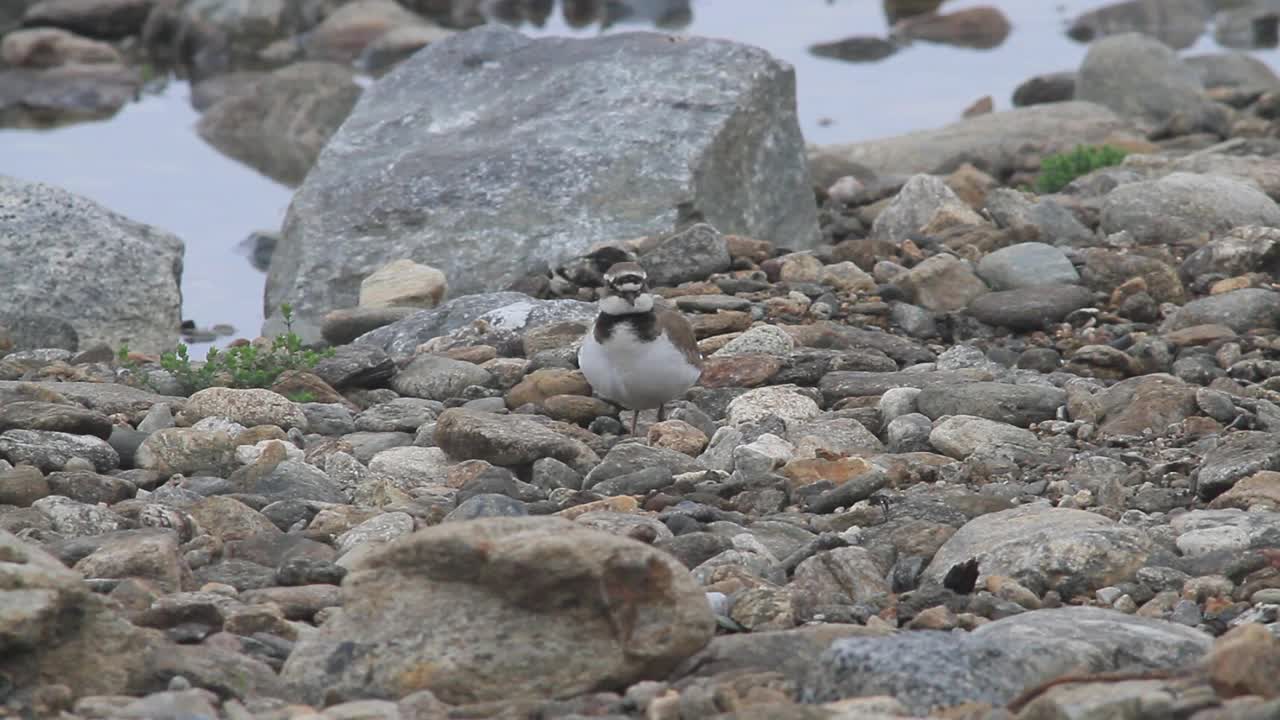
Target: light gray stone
(454, 120)
(412, 467)
(1239, 455)
(129, 273)
(691, 254)
(507, 440)
(499, 608)
(433, 377)
(1019, 405)
(248, 407)
(1030, 308)
(1074, 551)
(912, 208)
(1027, 264)
(50, 450)
(931, 670)
(1055, 224)
(402, 336)
(959, 436)
(187, 451)
(1181, 207)
(1141, 78)
(1232, 69)
(1203, 532)
(1240, 310)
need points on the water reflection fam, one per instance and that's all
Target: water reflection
(1249, 25)
(895, 10)
(1176, 23)
(580, 14)
(978, 28)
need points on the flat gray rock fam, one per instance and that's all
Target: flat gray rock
(128, 274)
(1238, 456)
(1240, 310)
(1018, 405)
(434, 377)
(1181, 206)
(1025, 265)
(1072, 551)
(1232, 69)
(50, 450)
(495, 154)
(1030, 308)
(993, 141)
(930, 670)
(855, 383)
(1204, 532)
(403, 336)
(507, 440)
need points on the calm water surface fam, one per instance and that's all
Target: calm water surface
(148, 163)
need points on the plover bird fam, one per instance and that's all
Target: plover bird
(638, 354)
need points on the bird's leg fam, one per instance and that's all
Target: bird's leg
(662, 410)
(635, 416)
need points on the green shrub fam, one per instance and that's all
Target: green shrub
(1061, 168)
(243, 366)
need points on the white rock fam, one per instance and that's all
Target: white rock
(782, 401)
(767, 453)
(761, 339)
(404, 283)
(248, 454)
(412, 467)
(959, 436)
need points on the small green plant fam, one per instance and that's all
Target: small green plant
(241, 366)
(1061, 168)
(301, 396)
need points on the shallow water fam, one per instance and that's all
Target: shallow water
(148, 163)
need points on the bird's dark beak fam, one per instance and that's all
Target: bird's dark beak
(630, 296)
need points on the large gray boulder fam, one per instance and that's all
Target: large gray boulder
(490, 155)
(996, 142)
(114, 280)
(1182, 207)
(503, 608)
(1142, 79)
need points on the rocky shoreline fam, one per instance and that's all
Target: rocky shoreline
(959, 450)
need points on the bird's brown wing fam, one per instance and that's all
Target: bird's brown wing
(678, 329)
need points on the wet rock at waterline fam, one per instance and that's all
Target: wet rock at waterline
(481, 251)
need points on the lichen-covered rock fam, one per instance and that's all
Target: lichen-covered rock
(572, 94)
(249, 407)
(50, 235)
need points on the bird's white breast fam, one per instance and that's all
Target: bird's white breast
(636, 374)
